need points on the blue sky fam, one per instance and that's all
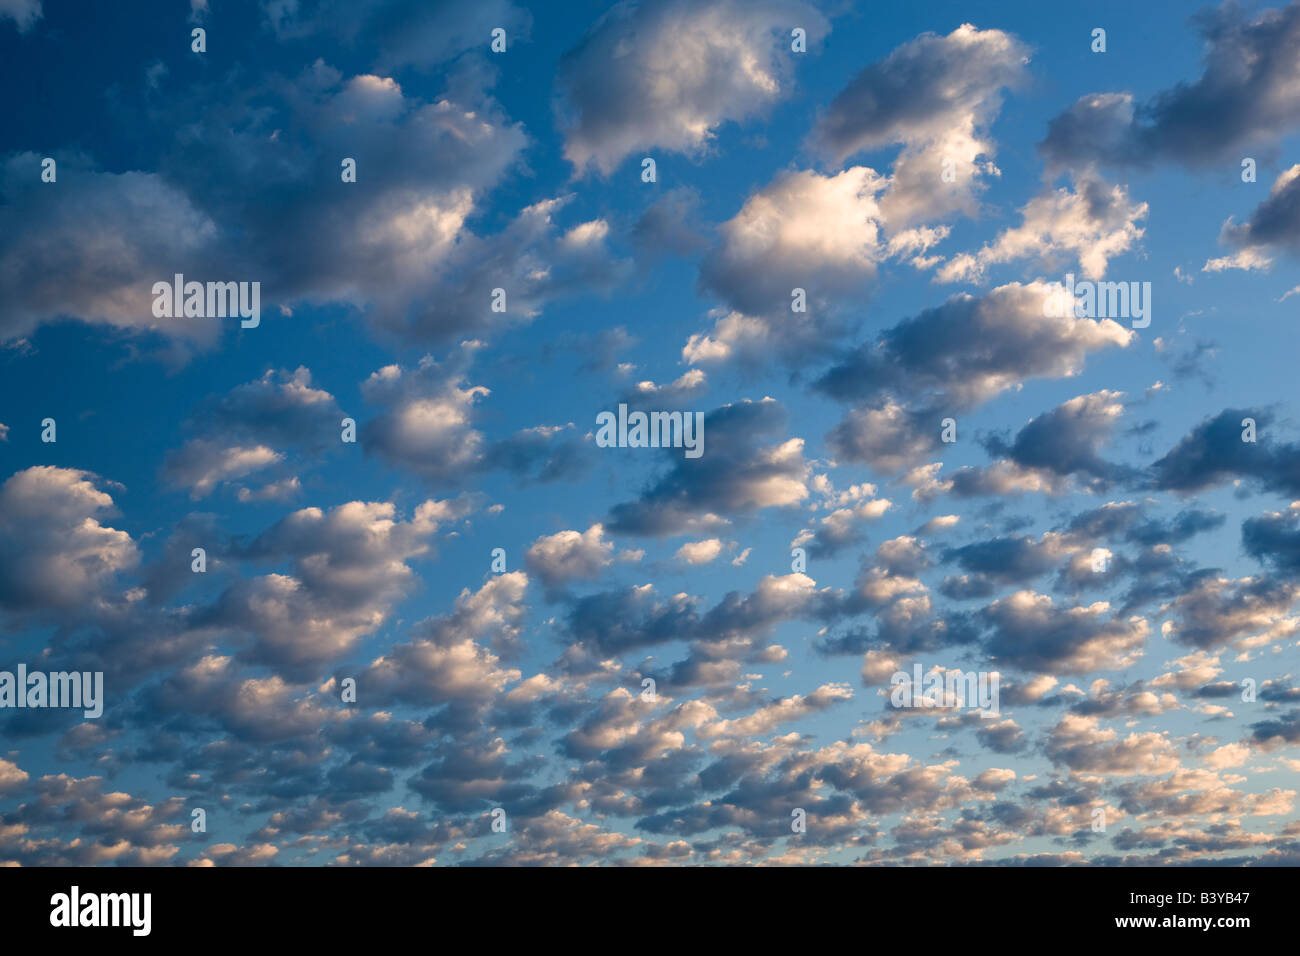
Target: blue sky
(522, 690)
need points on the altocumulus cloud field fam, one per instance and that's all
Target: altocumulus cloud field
(716, 432)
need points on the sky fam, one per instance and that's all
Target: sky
(435, 621)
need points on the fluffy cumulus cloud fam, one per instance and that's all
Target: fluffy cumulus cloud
(666, 74)
(1030, 631)
(426, 426)
(347, 566)
(56, 552)
(1087, 225)
(1229, 447)
(935, 96)
(805, 231)
(451, 659)
(93, 247)
(827, 234)
(567, 555)
(280, 422)
(1068, 439)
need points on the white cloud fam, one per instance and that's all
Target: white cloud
(664, 74)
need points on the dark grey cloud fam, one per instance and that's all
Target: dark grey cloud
(1273, 539)
(969, 349)
(91, 246)
(282, 408)
(738, 474)
(932, 81)
(1275, 223)
(1031, 632)
(1127, 520)
(635, 617)
(1016, 559)
(1248, 94)
(1066, 441)
(1284, 729)
(1215, 610)
(1182, 527)
(1214, 452)
(935, 95)
(951, 358)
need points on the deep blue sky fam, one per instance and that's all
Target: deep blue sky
(521, 691)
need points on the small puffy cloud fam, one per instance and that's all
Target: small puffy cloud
(1067, 440)
(12, 777)
(446, 661)
(1189, 672)
(282, 408)
(567, 556)
(664, 74)
(426, 426)
(686, 386)
(1213, 453)
(970, 349)
(778, 712)
(669, 225)
(1216, 611)
(699, 552)
(840, 529)
(201, 465)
